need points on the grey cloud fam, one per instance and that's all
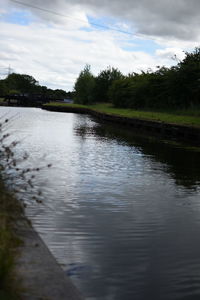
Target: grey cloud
(179, 19)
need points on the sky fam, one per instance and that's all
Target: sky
(53, 40)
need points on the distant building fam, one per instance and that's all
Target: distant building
(68, 101)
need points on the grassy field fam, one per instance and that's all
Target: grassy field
(180, 117)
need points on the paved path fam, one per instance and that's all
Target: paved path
(39, 274)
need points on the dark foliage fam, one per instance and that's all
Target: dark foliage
(84, 87)
(103, 82)
(26, 85)
(165, 88)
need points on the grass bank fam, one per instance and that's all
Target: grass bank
(2, 101)
(179, 117)
(10, 209)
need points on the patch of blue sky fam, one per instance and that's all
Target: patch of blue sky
(144, 45)
(18, 17)
(131, 43)
(87, 29)
(82, 40)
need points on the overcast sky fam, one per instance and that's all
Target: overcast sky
(54, 46)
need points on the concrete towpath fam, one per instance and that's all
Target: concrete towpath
(40, 276)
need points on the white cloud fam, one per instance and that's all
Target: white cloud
(175, 19)
(55, 49)
(170, 53)
(55, 55)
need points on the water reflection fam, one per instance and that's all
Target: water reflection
(176, 159)
(121, 211)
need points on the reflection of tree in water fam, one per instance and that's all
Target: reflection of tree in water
(181, 163)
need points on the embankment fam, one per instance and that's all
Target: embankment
(40, 275)
(28, 270)
(189, 134)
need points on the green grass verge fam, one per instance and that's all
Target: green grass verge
(180, 117)
(2, 101)
(9, 210)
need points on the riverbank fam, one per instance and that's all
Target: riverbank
(27, 268)
(37, 270)
(182, 127)
(10, 212)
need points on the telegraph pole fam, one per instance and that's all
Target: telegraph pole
(9, 70)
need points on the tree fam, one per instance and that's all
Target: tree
(189, 78)
(22, 83)
(59, 94)
(165, 88)
(3, 88)
(84, 87)
(120, 92)
(104, 81)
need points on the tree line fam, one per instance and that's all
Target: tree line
(23, 84)
(166, 88)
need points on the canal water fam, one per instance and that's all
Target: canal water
(120, 211)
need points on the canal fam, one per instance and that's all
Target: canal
(120, 211)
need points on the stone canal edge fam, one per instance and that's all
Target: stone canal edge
(40, 276)
(182, 133)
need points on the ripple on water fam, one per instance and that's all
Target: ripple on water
(120, 213)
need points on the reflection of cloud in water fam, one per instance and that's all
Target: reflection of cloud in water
(114, 216)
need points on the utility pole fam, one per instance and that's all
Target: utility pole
(9, 70)
(5, 71)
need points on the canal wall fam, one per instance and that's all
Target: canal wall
(167, 130)
(37, 271)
